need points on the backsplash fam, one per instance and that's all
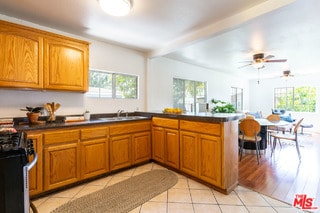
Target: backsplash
(14, 100)
(72, 103)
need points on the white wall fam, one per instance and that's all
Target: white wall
(161, 72)
(261, 96)
(111, 58)
(103, 56)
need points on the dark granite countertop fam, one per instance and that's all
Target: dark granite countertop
(95, 119)
(202, 116)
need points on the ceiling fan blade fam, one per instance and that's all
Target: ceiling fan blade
(269, 56)
(276, 60)
(245, 62)
(244, 66)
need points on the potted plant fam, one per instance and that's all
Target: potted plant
(33, 113)
(222, 107)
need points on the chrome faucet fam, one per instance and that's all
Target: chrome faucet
(119, 112)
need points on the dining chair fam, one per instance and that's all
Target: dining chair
(287, 136)
(273, 118)
(249, 132)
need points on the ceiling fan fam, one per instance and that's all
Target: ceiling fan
(259, 60)
(287, 74)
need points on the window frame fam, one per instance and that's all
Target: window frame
(293, 99)
(113, 87)
(235, 93)
(283, 95)
(195, 97)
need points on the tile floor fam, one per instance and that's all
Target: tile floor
(186, 196)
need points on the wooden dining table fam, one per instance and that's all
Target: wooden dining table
(264, 123)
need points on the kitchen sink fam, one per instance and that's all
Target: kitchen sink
(134, 117)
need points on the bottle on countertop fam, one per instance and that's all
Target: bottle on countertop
(86, 115)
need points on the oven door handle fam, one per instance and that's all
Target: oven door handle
(33, 162)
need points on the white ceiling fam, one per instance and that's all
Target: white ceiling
(211, 33)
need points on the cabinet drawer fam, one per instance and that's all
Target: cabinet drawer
(125, 128)
(91, 133)
(61, 136)
(165, 122)
(201, 127)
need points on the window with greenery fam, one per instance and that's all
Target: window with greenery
(298, 99)
(283, 98)
(188, 94)
(237, 98)
(112, 85)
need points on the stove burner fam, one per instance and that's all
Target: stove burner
(12, 141)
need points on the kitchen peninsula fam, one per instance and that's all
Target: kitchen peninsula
(202, 146)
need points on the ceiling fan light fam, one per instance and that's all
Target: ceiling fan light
(258, 65)
(116, 7)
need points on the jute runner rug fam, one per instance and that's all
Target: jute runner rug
(123, 196)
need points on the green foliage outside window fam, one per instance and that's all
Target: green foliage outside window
(126, 85)
(187, 93)
(112, 85)
(299, 99)
(305, 99)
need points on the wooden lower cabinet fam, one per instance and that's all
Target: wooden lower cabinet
(120, 152)
(172, 157)
(129, 144)
(94, 151)
(201, 151)
(165, 142)
(35, 174)
(141, 147)
(189, 153)
(94, 158)
(158, 144)
(200, 156)
(204, 150)
(210, 166)
(130, 149)
(61, 158)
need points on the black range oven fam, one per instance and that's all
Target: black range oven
(14, 167)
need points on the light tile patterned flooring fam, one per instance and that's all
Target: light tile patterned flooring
(186, 196)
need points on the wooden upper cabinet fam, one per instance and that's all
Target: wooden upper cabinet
(65, 64)
(20, 57)
(35, 59)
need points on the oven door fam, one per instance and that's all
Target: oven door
(12, 194)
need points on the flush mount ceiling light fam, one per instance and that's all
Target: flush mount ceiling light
(116, 7)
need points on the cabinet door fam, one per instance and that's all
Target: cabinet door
(172, 148)
(210, 161)
(120, 152)
(189, 153)
(94, 158)
(61, 165)
(20, 57)
(141, 146)
(65, 64)
(158, 144)
(35, 174)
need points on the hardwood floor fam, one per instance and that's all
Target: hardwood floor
(282, 176)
